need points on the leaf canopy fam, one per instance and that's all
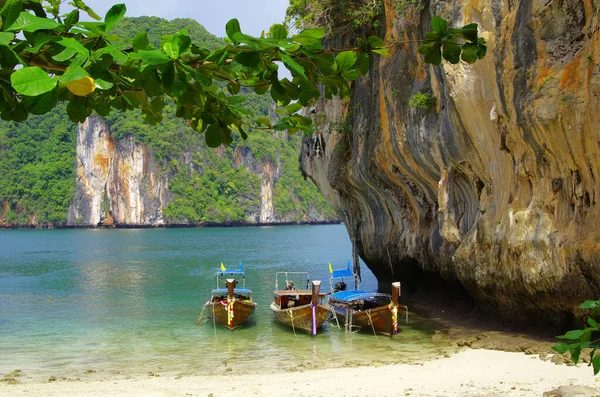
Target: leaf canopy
(104, 72)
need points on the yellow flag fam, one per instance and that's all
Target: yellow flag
(330, 269)
(223, 267)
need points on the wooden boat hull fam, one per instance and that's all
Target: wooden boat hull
(242, 311)
(378, 319)
(300, 317)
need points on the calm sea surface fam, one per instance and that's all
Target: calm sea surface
(126, 302)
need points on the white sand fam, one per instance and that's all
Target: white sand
(468, 373)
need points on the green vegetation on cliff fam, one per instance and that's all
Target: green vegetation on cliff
(37, 176)
(37, 159)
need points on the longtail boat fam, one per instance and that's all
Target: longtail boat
(363, 310)
(302, 309)
(230, 306)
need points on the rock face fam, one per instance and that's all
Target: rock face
(495, 185)
(117, 181)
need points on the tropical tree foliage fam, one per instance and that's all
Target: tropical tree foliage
(37, 159)
(587, 339)
(47, 57)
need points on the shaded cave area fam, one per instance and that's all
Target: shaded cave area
(448, 301)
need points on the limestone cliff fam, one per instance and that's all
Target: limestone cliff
(117, 181)
(495, 185)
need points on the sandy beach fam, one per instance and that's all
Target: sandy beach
(470, 372)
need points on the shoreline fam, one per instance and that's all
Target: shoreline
(166, 226)
(469, 372)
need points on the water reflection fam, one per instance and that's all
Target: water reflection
(127, 301)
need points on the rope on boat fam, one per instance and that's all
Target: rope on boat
(334, 316)
(291, 314)
(202, 318)
(372, 326)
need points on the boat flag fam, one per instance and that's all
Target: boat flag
(330, 268)
(223, 267)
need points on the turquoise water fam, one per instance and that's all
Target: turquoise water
(126, 302)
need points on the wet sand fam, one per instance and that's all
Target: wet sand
(470, 372)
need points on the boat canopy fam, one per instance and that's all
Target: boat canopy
(219, 291)
(341, 273)
(350, 296)
(232, 272)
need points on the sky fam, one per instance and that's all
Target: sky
(254, 15)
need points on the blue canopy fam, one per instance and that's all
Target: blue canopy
(349, 296)
(219, 291)
(343, 272)
(225, 272)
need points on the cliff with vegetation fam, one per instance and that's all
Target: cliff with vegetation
(484, 175)
(119, 171)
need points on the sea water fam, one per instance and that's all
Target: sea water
(126, 302)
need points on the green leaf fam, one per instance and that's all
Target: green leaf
(231, 28)
(235, 99)
(180, 43)
(141, 42)
(382, 51)
(561, 347)
(351, 74)
(78, 109)
(249, 59)
(593, 323)
(10, 12)
(596, 364)
(64, 55)
(174, 79)
(470, 53)
(293, 66)
(32, 81)
(314, 33)
(71, 19)
(375, 42)
(263, 121)
(92, 29)
(572, 335)
(114, 15)
(6, 38)
(468, 32)
(293, 108)
(451, 52)
(590, 304)
(575, 353)
(432, 52)
(73, 44)
(345, 60)
(213, 135)
(103, 84)
(154, 57)
(278, 31)
(243, 133)
(233, 87)
(73, 73)
(29, 23)
(439, 25)
(82, 6)
(42, 104)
